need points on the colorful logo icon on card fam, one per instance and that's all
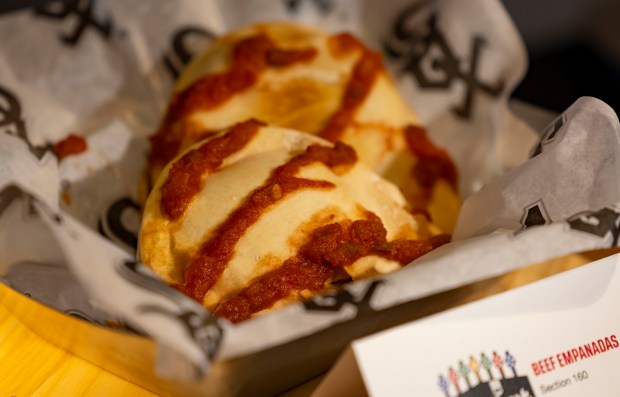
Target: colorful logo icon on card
(493, 375)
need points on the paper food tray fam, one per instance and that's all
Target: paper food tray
(563, 200)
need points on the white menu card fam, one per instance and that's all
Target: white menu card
(556, 337)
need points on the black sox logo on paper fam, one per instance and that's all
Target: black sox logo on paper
(202, 327)
(549, 135)
(604, 223)
(334, 301)
(83, 11)
(324, 6)
(186, 42)
(423, 51)
(12, 121)
(534, 214)
(120, 222)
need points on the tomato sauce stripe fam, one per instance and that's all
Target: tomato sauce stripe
(358, 87)
(214, 255)
(328, 249)
(186, 174)
(250, 57)
(433, 163)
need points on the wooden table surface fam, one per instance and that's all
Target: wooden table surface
(32, 366)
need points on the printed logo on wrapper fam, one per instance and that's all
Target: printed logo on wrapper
(492, 375)
(423, 51)
(549, 134)
(86, 253)
(186, 42)
(535, 214)
(604, 223)
(12, 121)
(334, 301)
(83, 11)
(203, 328)
(120, 223)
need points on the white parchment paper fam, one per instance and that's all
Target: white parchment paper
(104, 70)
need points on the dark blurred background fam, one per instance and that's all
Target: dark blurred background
(574, 50)
(573, 46)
